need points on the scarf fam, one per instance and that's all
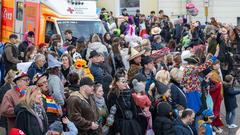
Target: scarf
(39, 111)
(21, 92)
(100, 102)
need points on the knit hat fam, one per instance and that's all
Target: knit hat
(161, 88)
(19, 74)
(138, 84)
(53, 62)
(146, 60)
(164, 109)
(15, 131)
(86, 81)
(56, 126)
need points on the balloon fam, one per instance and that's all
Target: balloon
(190, 5)
(195, 12)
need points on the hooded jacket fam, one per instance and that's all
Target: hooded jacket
(97, 46)
(29, 122)
(230, 99)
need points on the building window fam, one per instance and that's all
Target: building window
(238, 21)
(19, 14)
(129, 3)
(49, 31)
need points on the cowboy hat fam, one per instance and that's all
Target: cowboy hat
(155, 31)
(192, 60)
(134, 54)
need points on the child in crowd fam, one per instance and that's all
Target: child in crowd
(142, 101)
(56, 128)
(208, 118)
(230, 101)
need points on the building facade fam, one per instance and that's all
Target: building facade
(223, 10)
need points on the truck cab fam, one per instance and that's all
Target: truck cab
(48, 17)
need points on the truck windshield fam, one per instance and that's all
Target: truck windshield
(81, 28)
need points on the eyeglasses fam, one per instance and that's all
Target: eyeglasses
(26, 80)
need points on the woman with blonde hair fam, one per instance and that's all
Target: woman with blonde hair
(177, 95)
(31, 117)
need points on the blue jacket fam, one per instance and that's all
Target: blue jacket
(97, 72)
(72, 129)
(149, 80)
(178, 95)
(33, 69)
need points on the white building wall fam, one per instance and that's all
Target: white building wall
(225, 11)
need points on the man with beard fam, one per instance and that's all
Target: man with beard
(182, 125)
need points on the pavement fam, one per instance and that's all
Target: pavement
(227, 131)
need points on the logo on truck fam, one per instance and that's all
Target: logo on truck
(70, 10)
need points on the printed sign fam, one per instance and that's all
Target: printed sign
(82, 8)
(7, 16)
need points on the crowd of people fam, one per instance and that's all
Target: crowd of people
(146, 75)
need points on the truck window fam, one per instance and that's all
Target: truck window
(49, 31)
(19, 11)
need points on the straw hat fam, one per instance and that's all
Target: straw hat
(155, 31)
(135, 54)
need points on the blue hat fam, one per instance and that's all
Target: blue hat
(56, 126)
(208, 112)
(53, 62)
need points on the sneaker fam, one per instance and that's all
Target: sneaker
(217, 130)
(233, 126)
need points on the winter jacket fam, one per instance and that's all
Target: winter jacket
(163, 126)
(34, 69)
(22, 48)
(230, 97)
(181, 129)
(150, 79)
(133, 70)
(6, 87)
(97, 72)
(10, 100)
(56, 89)
(10, 57)
(178, 95)
(29, 122)
(97, 46)
(82, 112)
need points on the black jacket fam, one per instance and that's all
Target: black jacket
(28, 122)
(22, 48)
(10, 58)
(163, 126)
(182, 129)
(178, 96)
(230, 97)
